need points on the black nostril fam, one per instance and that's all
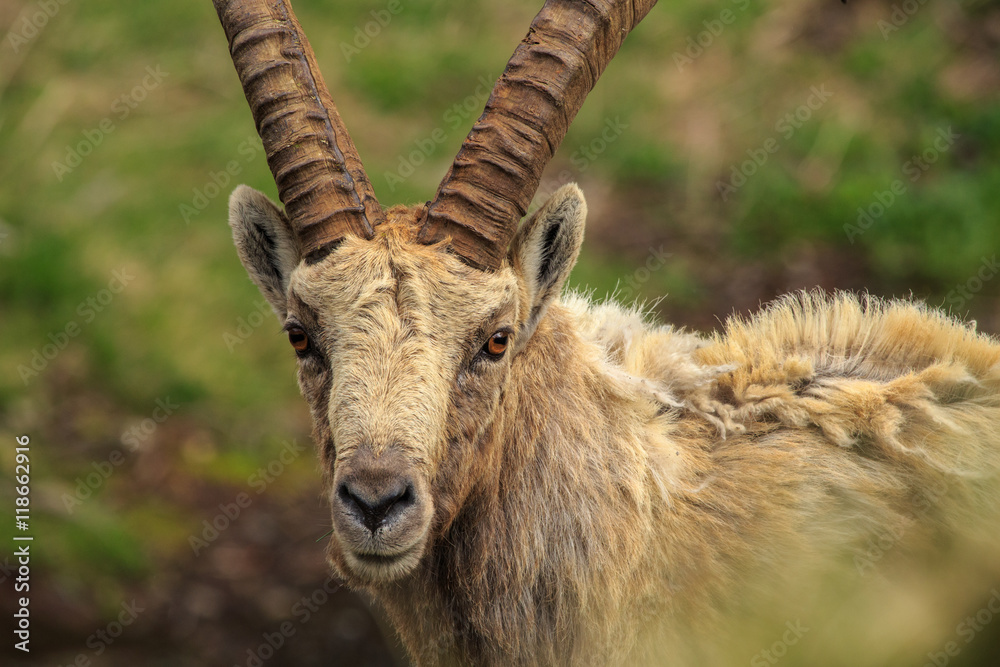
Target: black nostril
(406, 497)
(375, 511)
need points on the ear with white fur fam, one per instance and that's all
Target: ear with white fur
(265, 243)
(545, 249)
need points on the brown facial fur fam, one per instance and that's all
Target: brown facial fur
(402, 325)
(613, 492)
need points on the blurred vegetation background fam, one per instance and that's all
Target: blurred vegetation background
(733, 150)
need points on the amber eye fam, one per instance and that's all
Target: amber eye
(298, 338)
(497, 344)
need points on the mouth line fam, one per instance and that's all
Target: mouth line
(381, 559)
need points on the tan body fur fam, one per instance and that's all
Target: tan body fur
(609, 491)
(655, 515)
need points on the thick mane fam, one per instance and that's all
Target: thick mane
(890, 380)
(833, 417)
(848, 336)
(858, 368)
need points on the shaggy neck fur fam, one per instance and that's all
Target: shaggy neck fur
(558, 501)
(595, 541)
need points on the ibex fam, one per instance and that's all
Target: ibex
(525, 478)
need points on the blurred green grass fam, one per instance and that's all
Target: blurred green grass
(63, 236)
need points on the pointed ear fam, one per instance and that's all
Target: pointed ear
(545, 249)
(265, 243)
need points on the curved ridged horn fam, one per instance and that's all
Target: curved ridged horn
(498, 169)
(315, 165)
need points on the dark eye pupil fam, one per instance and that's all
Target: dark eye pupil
(497, 344)
(298, 339)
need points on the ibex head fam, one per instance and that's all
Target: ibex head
(407, 322)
